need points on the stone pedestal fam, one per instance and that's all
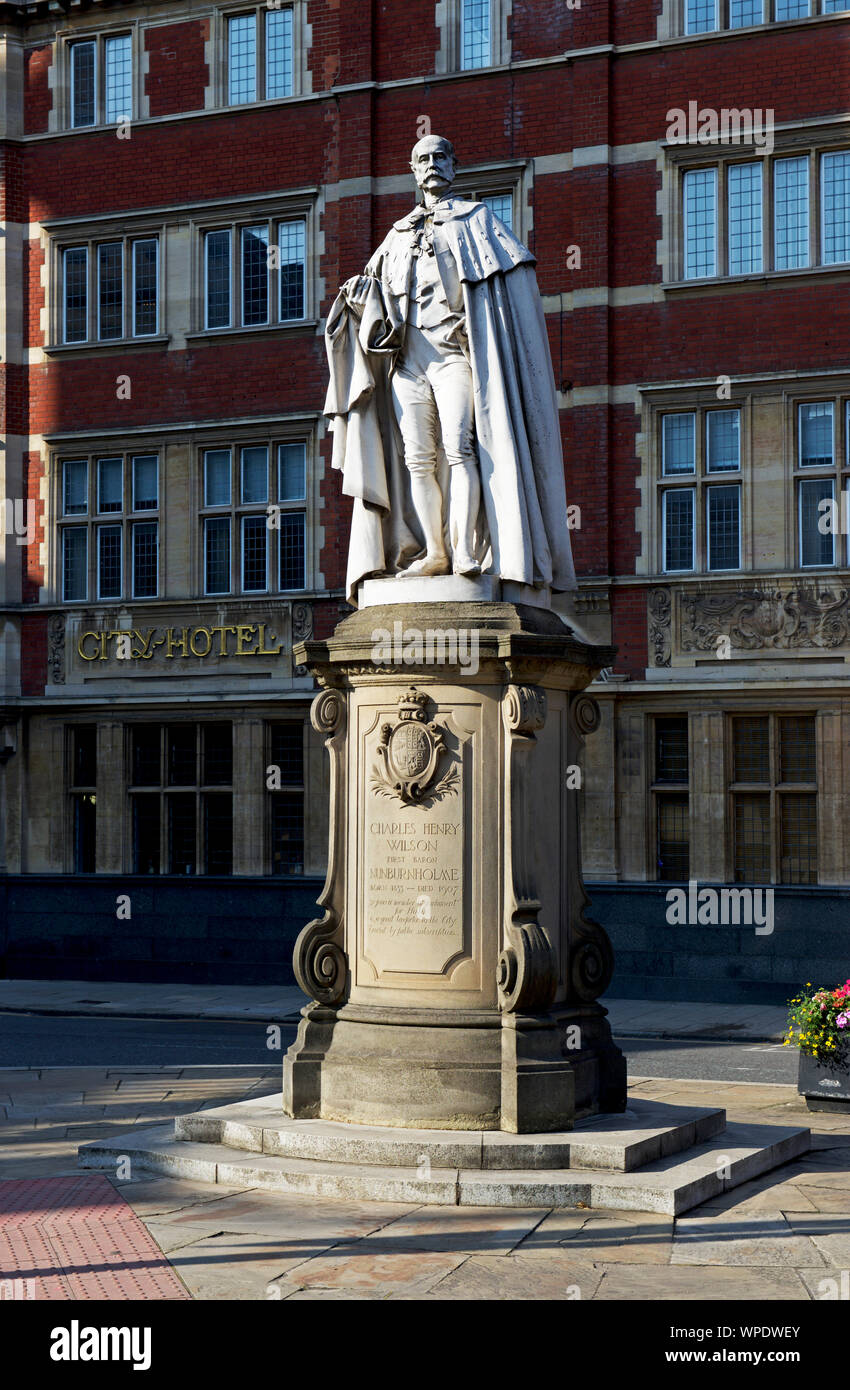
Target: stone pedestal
(454, 974)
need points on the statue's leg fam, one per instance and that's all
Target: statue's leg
(416, 413)
(451, 380)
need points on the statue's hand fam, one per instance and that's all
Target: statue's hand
(356, 290)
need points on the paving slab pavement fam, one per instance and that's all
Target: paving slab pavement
(784, 1236)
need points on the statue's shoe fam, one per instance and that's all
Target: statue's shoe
(465, 566)
(429, 564)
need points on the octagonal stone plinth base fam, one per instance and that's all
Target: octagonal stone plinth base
(654, 1157)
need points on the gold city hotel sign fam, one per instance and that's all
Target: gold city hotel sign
(175, 643)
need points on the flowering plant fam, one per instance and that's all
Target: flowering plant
(819, 1022)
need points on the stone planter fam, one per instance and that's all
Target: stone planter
(825, 1085)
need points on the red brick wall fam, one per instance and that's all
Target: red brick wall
(629, 633)
(33, 571)
(34, 293)
(38, 98)
(33, 653)
(177, 70)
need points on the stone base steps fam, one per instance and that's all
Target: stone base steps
(685, 1158)
(646, 1132)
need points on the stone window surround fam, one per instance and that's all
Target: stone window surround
(838, 472)
(811, 139)
(60, 115)
(722, 759)
(251, 756)
(281, 209)
(155, 440)
(218, 89)
(217, 438)
(448, 19)
(215, 96)
(685, 399)
(93, 520)
(513, 177)
(795, 389)
(159, 222)
(92, 233)
(672, 20)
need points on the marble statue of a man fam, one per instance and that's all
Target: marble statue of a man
(442, 399)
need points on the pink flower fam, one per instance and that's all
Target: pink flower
(842, 1020)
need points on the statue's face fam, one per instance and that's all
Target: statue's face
(433, 166)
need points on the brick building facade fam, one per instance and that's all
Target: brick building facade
(183, 187)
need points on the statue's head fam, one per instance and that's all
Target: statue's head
(434, 165)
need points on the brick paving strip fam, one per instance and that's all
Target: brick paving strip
(77, 1238)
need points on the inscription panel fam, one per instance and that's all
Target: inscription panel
(413, 890)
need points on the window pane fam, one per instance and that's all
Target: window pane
(85, 831)
(145, 482)
(797, 757)
(181, 743)
(287, 833)
(292, 550)
(700, 16)
(798, 843)
(723, 521)
(255, 275)
(84, 756)
(501, 206)
(181, 834)
(110, 290)
(145, 557)
(146, 834)
(792, 9)
(278, 54)
(791, 213)
(217, 246)
(673, 837)
(723, 440)
(75, 552)
(242, 58)
(752, 837)
(751, 749)
(218, 755)
(700, 188)
(671, 750)
(218, 834)
(255, 474)
(75, 484)
(146, 755)
(679, 529)
(217, 555)
(118, 57)
(292, 468)
(745, 219)
(817, 522)
(743, 12)
(109, 562)
(475, 34)
(287, 750)
(82, 84)
(816, 435)
(145, 289)
(835, 183)
(831, 6)
(217, 478)
(678, 446)
(254, 551)
(293, 255)
(110, 485)
(75, 261)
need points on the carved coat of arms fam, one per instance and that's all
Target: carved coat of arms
(409, 752)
